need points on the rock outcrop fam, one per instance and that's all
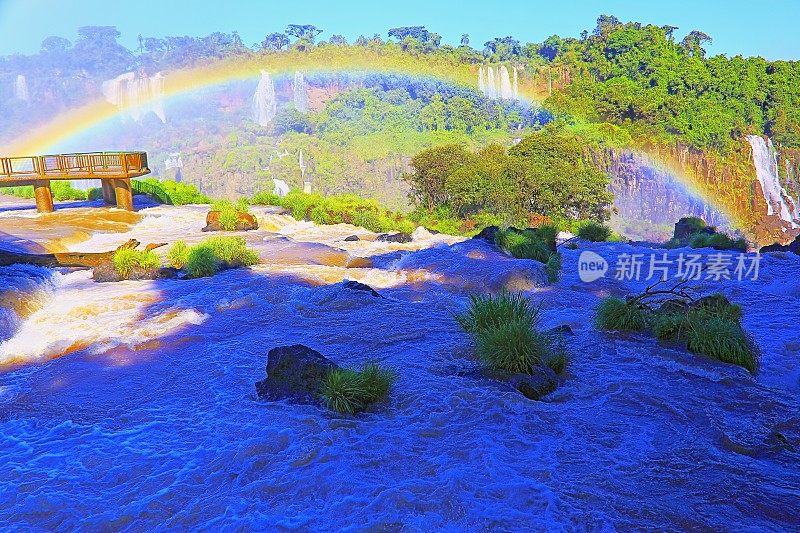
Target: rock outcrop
(245, 222)
(294, 373)
(793, 247)
(394, 237)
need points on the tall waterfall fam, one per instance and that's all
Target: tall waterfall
(264, 104)
(21, 88)
(491, 86)
(481, 82)
(506, 92)
(136, 95)
(515, 89)
(300, 92)
(765, 159)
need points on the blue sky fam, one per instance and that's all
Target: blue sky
(737, 26)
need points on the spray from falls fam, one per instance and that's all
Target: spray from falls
(21, 88)
(481, 82)
(300, 88)
(491, 85)
(506, 92)
(500, 85)
(264, 104)
(136, 95)
(765, 159)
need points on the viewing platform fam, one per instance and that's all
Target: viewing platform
(113, 169)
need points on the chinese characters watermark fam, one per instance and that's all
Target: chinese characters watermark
(659, 266)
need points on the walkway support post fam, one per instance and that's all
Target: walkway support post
(109, 197)
(44, 196)
(122, 190)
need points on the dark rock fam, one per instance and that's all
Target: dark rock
(488, 234)
(713, 302)
(674, 306)
(793, 247)
(561, 329)
(358, 286)
(105, 272)
(540, 382)
(351, 238)
(246, 222)
(295, 373)
(394, 237)
(686, 227)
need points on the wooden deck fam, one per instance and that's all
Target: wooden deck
(113, 169)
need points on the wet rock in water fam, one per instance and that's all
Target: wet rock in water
(245, 222)
(674, 306)
(488, 234)
(294, 373)
(539, 383)
(688, 226)
(713, 302)
(793, 247)
(358, 286)
(351, 238)
(561, 329)
(394, 237)
(105, 272)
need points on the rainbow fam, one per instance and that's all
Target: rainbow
(75, 123)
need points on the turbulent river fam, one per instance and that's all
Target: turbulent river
(132, 406)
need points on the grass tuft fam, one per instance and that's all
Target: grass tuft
(723, 339)
(595, 232)
(619, 315)
(127, 259)
(487, 312)
(178, 255)
(347, 391)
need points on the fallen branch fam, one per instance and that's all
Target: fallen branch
(67, 259)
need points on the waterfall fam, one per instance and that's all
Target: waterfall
(515, 89)
(300, 92)
(481, 83)
(765, 159)
(264, 104)
(21, 88)
(136, 95)
(506, 93)
(491, 87)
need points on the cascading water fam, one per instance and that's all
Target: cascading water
(506, 92)
(264, 104)
(137, 95)
(21, 88)
(300, 92)
(778, 200)
(23, 290)
(491, 85)
(516, 86)
(481, 82)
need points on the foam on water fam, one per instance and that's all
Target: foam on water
(153, 420)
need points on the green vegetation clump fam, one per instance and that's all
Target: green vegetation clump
(504, 329)
(61, 190)
(212, 255)
(126, 259)
(178, 255)
(594, 231)
(710, 326)
(538, 244)
(718, 241)
(230, 212)
(172, 192)
(616, 314)
(348, 391)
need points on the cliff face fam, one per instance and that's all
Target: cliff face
(650, 199)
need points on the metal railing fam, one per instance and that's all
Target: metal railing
(74, 166)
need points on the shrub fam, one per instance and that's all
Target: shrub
(512, 346)
(178, 193)
(693, 224)
(670, 325)
(265, 198)
(523, 244)
(202, 262)
(178, 255)
(229, 212)
(595, 232)
(126, 259)
(723, 339)
(487, 312)
(553, 267)
(620, 315)
(718, 241)
(232, 250)
(348, 391)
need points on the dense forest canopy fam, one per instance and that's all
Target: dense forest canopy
(641, 77)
